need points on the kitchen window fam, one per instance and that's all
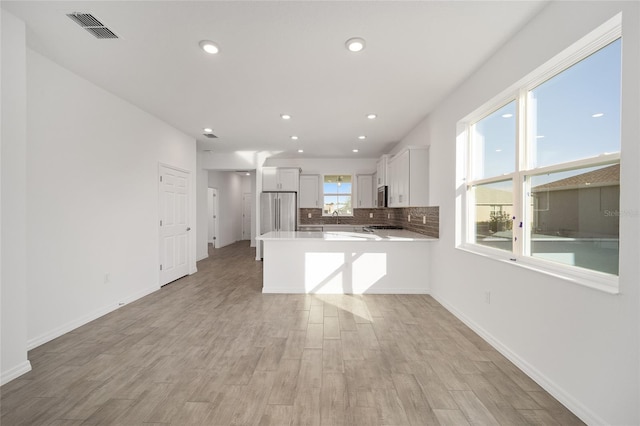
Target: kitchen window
(337, 195)
(541, 179)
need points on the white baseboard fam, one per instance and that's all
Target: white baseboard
(577, 408)
(15, 372)
(290, 290)
(72, 325)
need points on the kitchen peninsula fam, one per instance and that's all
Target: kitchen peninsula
(353, 261)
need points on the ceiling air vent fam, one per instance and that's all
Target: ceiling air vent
(92, 24)
(210, 135)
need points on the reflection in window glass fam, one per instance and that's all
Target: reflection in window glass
(575, 217)
(494, 142)
(493, 214)
(576, 114)
(337, 195)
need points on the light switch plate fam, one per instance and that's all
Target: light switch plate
(309, 215)
(408, 218)
(424, 220)
(370, 215)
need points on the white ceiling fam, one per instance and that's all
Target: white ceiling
(279, 57)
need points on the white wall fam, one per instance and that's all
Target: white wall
(229, 186)
(580, 344)
(13, 203)
(92, 198)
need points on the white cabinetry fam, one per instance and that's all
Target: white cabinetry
(409, 178)
(280, 179)
(381, 171)
(309, 191)
(365, 191)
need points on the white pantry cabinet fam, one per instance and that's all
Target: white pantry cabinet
(409, 178)
(309, 191)
(365, 191)
(280, 179)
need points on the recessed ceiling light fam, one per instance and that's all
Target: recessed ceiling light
(208, 129)
(285, 116)
(507, 115)
(294, 137)
(301, 150)
(354, 150)
(372, 116)
(355, 44)
(209, 47)
(248, 174)
(597, 115)
(361, 137)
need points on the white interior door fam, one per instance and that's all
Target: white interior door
(174, 227)
(246, 216)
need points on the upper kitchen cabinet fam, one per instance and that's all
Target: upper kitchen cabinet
(309, 191)
(280, 179)
(381, 171)
(408, 178)
(365, 191)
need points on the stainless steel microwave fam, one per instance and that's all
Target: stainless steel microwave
(382, 196)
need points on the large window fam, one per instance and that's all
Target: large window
(337, 195)
(543, 167)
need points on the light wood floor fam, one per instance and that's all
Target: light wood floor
(211, 349)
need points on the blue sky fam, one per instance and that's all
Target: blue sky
(565, 105)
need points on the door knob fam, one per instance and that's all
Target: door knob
(188, 229)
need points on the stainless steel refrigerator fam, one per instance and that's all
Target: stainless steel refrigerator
(279, 211)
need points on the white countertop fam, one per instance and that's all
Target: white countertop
(378, 235)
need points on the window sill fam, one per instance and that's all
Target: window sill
(592, 279)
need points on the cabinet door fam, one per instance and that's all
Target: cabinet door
(270, 179)
(288, 179)
(402, 165)
(365, 191)
(309, 191)
(392, 183)
(419, 177)
(382, 177)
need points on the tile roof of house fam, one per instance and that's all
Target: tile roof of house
(605, 176)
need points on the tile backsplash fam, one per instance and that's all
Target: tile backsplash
(383, 216)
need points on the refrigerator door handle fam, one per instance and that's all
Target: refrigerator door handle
(277, 214)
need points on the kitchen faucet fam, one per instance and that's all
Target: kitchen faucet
(337, 216)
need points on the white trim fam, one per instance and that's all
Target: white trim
(565, 398)
(593, 279)
(79, 322)
(394, 290)
(15, 372)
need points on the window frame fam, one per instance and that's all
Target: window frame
(520, 256)
(349, 194)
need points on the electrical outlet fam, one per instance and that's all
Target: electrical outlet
(487, 297)
(388, 215)
(370, 215)
(309, 215)
(424, 220)
(408, 218)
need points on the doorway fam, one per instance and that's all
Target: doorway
(212, 215)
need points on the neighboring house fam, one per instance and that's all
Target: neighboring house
(569, 207)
